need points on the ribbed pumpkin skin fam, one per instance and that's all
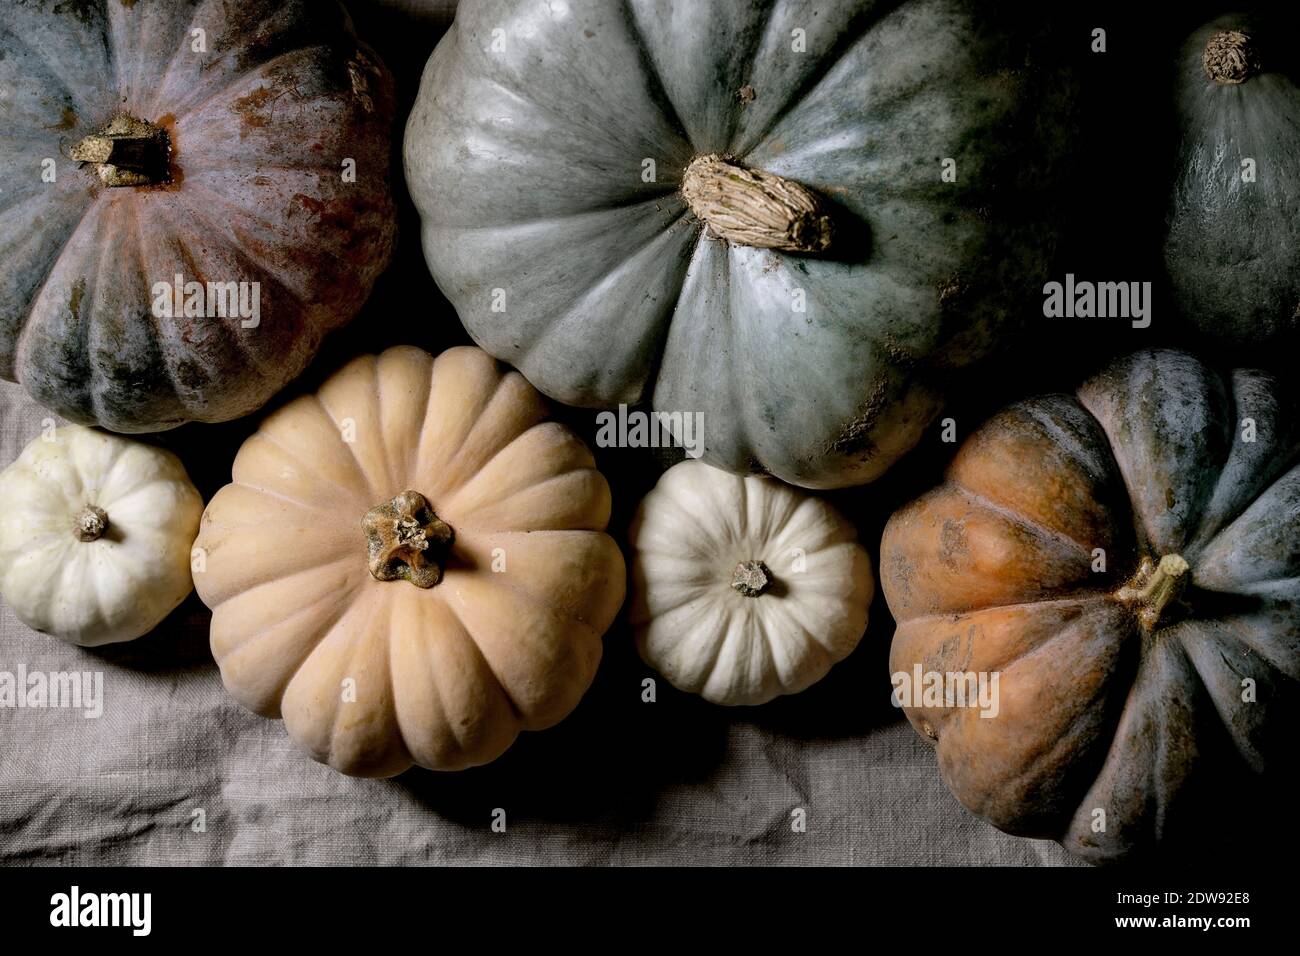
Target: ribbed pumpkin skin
(120, 585)
(446, 676)
(525, 155)
(694, 627)
(260, 125)
(1233, 248)
(993, 571)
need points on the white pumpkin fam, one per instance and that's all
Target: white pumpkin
(95, 535)
(744, 589)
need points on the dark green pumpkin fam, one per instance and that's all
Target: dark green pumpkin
(1233, 247)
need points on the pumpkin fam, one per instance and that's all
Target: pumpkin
(744, 588)
(794, 219)
(95, 535)
(1231, 250)
(1125, 561)
(181, 221)
(409, 566)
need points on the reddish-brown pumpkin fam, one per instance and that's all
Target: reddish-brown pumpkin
(195, 138)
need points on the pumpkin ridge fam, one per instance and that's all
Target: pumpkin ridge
(340, 594)
(662, 319)
(740, 397)
(300, 296)
(1082, 597)
(396, 472)
(1142, 535)
(697, 592)
(1261, 650)
(515, 710)
(255, 75)
(1251, 759)
(239, 344)
(268, 435)
(87, 336)
(761, 648)
(498, 395)
(733, 633)
(810, 633)
(757, 41)
(471, 526)
(198, 212)
(353, 367)
(150, 323)
(182, 50)
(655, 86)
(372, 633)
(410, 467)
(1023, 520)
(851, 33)
(1200, 542)
(250, 643)
(567, 612)
(73, 91)
(24, 315)
(262, 490)
(483, 400)
(709, 614)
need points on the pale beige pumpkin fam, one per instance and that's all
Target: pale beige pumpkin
(490, 616)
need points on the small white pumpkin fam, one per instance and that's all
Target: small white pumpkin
(744, 589)
(95, 535)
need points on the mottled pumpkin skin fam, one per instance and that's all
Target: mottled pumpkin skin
(259, 125)
(526, 155)
(993, 571)
(1233, 248)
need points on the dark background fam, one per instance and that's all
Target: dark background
(1115, 221)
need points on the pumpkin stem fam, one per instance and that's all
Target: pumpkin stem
(407, 541)
(754, 208)
(90, 523)
(1231, 57)
(1153, 587)
(127, 152)
(751, 578)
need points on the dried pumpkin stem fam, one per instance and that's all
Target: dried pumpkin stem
(754, 208)
(751, 578)
(90, 523)
(1154, 586)
(1230, 57)
(127, 152)
(407, 541)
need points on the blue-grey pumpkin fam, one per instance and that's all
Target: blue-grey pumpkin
(1233, 247)
(794, 217)
(243, 144)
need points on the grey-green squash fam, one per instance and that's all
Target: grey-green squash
(1233, 244)
(243, 147)
(795, 218)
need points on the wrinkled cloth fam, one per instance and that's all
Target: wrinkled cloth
(622, 781)
(174, 772)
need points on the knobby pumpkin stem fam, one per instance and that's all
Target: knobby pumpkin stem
(1154, 586)
(407, 541)
(751, 578)
(90, 523)
(755, 208)
(127, 152)
(1231, 57)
